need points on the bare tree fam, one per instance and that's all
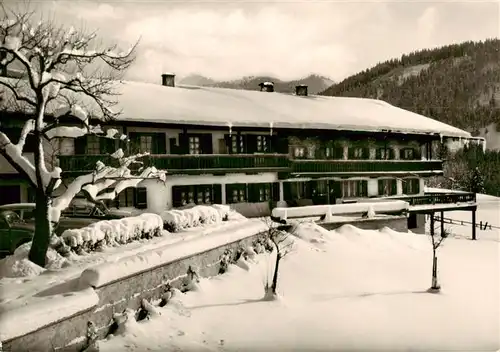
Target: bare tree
(66, 73)
(437, 239)
(281, 237)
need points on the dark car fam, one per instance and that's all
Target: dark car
(17, 224)
(14, 232)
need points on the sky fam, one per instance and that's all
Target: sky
(287, 39)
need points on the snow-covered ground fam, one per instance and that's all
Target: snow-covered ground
(24, 283)
(347, 289)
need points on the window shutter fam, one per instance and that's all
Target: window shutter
(251, 143)
(107, 145)
(394, 189)
(287, 191)
(176, 196)
(173, 146)
(80, 144)
(275, 189)
(337, 189)
(417, 186)
(364, 188)
(392, 154)
(351, 153)
(141, 198)
(217, 194)
(253, 192)
(135, 143)
(229, 193)
(183, 143)
(366, 153)
(378, 154)
(161, 144)
(206, 144)
(405, 186)
(380, 187)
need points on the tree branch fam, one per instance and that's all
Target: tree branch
(16, 94)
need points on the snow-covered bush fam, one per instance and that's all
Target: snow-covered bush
(177, 220)
(18, 264)
(110, 233)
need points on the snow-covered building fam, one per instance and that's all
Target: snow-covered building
(238, 147)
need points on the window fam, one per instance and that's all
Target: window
(334, 152)
(146, 144)
(93, 146)
(411, 186)
(264, 192)
(194, 145)
(387, 187)
(192, 194)
(132, 197)
(384, 154)
(352, 189)
(299, 152)
(236, 193)
(408, 154)
(358, 153)
(262, 144)
(204, 195)
(239, 196)
(237, 144)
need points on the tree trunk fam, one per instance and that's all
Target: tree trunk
(43, 230)
(41, 239)
(274, 285)
(435, 284)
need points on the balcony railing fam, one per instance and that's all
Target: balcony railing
(350, 166)
(185, 163)
(440, 198)
(84, 163)
(217, 161)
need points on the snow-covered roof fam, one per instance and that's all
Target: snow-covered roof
(147, 102)
(239, 108)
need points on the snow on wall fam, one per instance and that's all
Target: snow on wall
(106, 273)
(339, 209)
(24, 320)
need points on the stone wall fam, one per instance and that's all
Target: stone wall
(69, 334)
(394, 222)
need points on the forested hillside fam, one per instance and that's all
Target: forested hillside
(457, 84)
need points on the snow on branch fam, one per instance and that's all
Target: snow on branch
(104, 178)
(60, 59)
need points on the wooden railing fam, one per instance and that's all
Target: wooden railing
(174, 162)
(439, 198)
(347, 166)
(278, 162)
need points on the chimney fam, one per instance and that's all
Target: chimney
(266, 86)
(168, 79)
(301, 90)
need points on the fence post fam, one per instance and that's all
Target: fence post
(474, 224)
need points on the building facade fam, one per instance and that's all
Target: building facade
(243, 148)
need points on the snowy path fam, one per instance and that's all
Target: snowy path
(357, 290)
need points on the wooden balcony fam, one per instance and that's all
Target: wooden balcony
(188, 164)
(432, 202)
(346, 167)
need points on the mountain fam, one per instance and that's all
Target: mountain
(457, 84)
(316, 83)
(197, 80)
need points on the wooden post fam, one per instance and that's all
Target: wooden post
(432, 224)
(442, 223)
(474, 224)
